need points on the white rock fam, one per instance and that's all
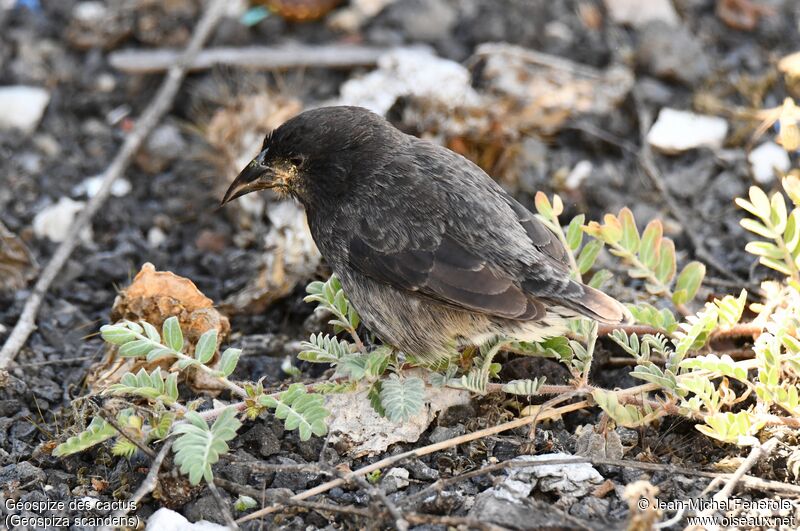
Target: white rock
(89, 11)
(168, 520)
(676, 131)
(579, 173)
(569, 481)
(156, 237)
(358, 427)
(21, 107)
(637, 13)
(765, 159)
(400, 476)
(54, 221)
(357, 12)
(410, 72)
(91, 185)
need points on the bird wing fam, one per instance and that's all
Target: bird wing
(447, 273)
(446, 231)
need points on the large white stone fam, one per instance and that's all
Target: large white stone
(410, 72)
(21, 107)
(765, 159)
(637, 13)
(676, 131)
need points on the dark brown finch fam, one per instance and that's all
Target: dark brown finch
(429, 249)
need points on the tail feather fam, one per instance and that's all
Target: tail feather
(598, 306)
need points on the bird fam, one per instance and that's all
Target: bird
(433, 254)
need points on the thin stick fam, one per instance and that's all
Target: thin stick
(425, 450)
(147, 486)
(538, 58)
(253, 57)
(223, 507)
(756, 454)
(109, 417)
(157, 108)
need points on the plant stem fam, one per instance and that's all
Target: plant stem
(573, 264)
(787, 258)
(235, 388)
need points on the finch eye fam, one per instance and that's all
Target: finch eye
(296, 161)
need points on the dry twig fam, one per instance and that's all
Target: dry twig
(223, 507)
(253, 57)
(756, 454)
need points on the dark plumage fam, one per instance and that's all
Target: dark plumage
(430, 250)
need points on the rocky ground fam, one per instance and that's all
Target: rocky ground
(619, 70)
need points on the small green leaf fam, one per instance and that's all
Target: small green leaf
(667, 264)
(206, 346)
(229, 360)
(173, 336)
(777, 265)
(630, 233)
(651, 243)
(542, 205)
(244, 503)
(137, 348)
(767, 249)
(171, 386)
(558, 205)
(151, 332)
(760, 202)
(116, 334)
(611, 230)
(159, 352)
(574, 232)
(524, 387)
(689, 282)
(778, 213)
(374, 397)
(600, 278)
(402, 398)
(98, 431)
(588, 255)
(757, 228)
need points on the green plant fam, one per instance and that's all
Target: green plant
(398, 397)
(774, 223)
(650, 257)
(581, 256)
(197, 445)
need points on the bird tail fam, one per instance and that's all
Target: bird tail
(598, 306)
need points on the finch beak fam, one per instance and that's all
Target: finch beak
(256, 176)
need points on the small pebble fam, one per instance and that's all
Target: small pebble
(765, 159)
(677, 131)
